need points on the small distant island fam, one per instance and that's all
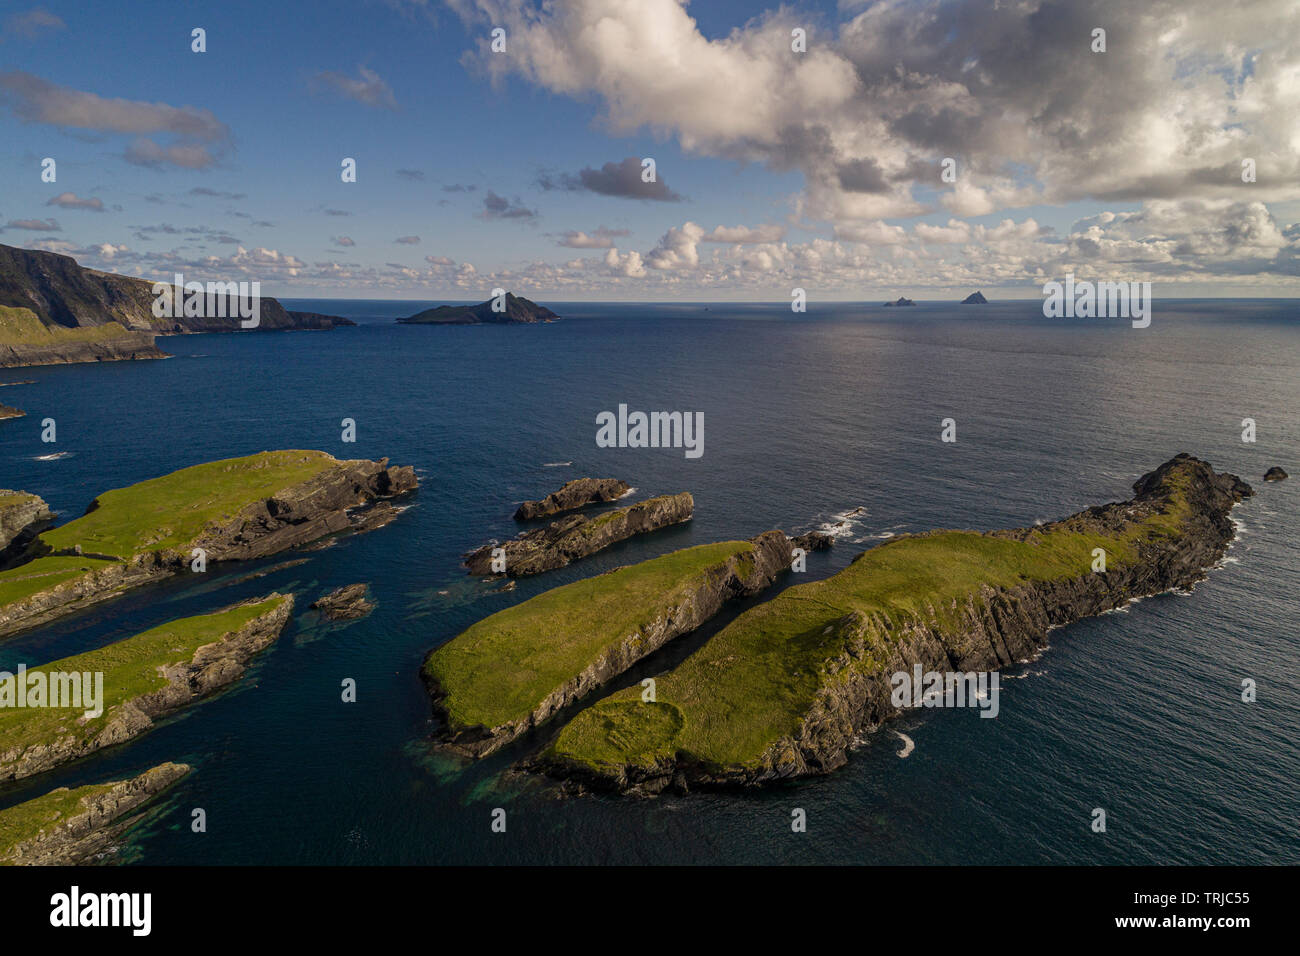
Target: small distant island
(975, 298)
(518, 311)
(901, 301)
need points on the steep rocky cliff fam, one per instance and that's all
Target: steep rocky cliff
(83, 315)
(22, 515)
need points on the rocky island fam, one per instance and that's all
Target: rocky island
(515, 669)
(577, 536)
(235, 509)
(575, 494)
(517, 310)
(68, 827)
(53, 311)
(785, 689)
(1276, 473)
(348, 603)
(901, 301)
(145, 677)
(975, 298)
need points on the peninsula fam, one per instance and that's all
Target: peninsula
(785, 689)
(514, 670)
(144, 678)
(53, 311)
(235, 509)
(67, 827)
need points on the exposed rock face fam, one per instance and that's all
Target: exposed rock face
(741, 575)
(21, 516)
(346, 603)
(1275, 474)
(813, 541)
(305, 512)
(901, 301)
(212, 667)
(993, 628)
(577, 536)
(128, 346)
(574, 495)
(63, 295)
(100, 820)
(975, 298)
(518, 310)
(325, 504)
(8, 411)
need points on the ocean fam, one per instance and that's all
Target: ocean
(807, 417)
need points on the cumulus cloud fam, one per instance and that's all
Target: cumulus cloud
(407, 240)
(624, 180)
(368, 87)
(600, 238)
(1012, 92)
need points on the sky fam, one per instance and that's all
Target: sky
(925, 148)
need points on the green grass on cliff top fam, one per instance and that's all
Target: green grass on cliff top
(171, 511)
(26, 820)
(754, 681)
(161, 513)
(20, 326)
(131, 667)
(503, 666)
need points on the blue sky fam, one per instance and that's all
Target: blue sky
(765, 172)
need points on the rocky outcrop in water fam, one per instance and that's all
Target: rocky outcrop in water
(573, 495)
(975, 298)
(210, 668)
(577, 536)
(98, 820)
(347, 603)
(8, 411)
(901, 301)
(1275, 474)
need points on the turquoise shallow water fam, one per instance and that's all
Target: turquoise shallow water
(807, 417)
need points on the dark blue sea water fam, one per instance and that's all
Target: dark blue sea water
(806, 417)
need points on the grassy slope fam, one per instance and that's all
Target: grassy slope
(161, 513)
(25, 820)
(753, 682)
(23, 327)
(503, 666)
(131, 667)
